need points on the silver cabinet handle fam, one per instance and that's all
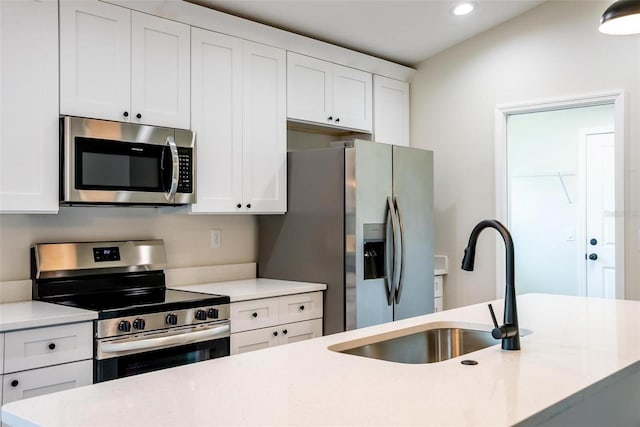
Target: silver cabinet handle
(401, 250)
(175, 162)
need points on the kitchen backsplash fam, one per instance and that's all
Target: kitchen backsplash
(187, 237)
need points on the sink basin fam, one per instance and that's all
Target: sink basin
(426, 343)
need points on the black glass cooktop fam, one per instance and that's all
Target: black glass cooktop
(120, 304)
(119, 295)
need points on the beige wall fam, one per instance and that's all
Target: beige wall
(553, 51)
(187, 237)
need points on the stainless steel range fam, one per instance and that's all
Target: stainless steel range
(142, 326)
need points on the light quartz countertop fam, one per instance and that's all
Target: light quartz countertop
(242, 290)
(576, 345)
(35, 314)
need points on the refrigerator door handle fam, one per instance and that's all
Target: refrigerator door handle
(398, 289)
(397, 248)
(389, 251)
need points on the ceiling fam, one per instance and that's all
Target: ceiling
(403, 31)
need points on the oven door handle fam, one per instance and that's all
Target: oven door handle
(164, 341)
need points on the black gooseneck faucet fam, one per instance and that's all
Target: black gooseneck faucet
(509, 332)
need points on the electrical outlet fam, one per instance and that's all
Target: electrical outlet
(216, 237)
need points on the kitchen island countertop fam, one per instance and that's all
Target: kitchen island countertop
(577, 348)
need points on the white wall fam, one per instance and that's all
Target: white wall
(553, 51)
(187, 237)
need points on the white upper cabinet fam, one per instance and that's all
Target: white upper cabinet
(160, 71)
(390, 111)
(238, 114)
(330, 94)
(29, 106)
(264, 129)
(117, 64)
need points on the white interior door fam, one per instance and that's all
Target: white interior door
(598, 160)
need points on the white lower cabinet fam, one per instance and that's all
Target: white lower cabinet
(35, 382)
(243, 342)
(268, 322)
(44, 360)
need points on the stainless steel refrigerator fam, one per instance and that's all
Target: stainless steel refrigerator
(360, 219)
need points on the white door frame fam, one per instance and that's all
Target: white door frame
(502, 112)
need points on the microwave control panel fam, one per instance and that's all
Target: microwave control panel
(185, 178)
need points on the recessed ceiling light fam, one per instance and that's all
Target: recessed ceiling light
(463, 9)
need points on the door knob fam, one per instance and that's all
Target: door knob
(593, 257)
(593, 242)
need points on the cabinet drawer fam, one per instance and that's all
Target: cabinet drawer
(260, 313)
(295, 308)
(36, 382)
(437, 286)
(437, 304)
(300, 331)
(35, 348)
(243, 342)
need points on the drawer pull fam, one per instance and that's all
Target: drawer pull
(52, 346)
(275, 333)
(302, 308)
(15, 383)
(255, 314)
(285, 332)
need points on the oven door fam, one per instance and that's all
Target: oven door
(140, 353)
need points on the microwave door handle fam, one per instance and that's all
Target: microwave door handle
(175, 165)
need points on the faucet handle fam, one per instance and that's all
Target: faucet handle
(501, 332)
(497, 331)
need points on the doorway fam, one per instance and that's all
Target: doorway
(560, 192)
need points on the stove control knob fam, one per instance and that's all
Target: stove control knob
(172, 319)
(201, 315)
(212, 313)
(138, 324)
(124, 326)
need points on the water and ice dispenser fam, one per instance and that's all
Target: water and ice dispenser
(374, 248)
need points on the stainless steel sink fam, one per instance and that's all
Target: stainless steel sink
(428, 346)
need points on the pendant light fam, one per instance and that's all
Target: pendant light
(621, 18)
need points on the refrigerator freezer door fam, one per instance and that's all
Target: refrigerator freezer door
(368, 171)
(413, 195)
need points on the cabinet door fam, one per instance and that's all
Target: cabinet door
(95, 60)
(390, 111)
(29, 106)
(264, 129)
(216, 117)
(243, 342)
(352, 98)
(160, 62)
(34, 348)
(309, 89)
(300, 331)
(36, 382)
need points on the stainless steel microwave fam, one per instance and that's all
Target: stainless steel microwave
(112, 163)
